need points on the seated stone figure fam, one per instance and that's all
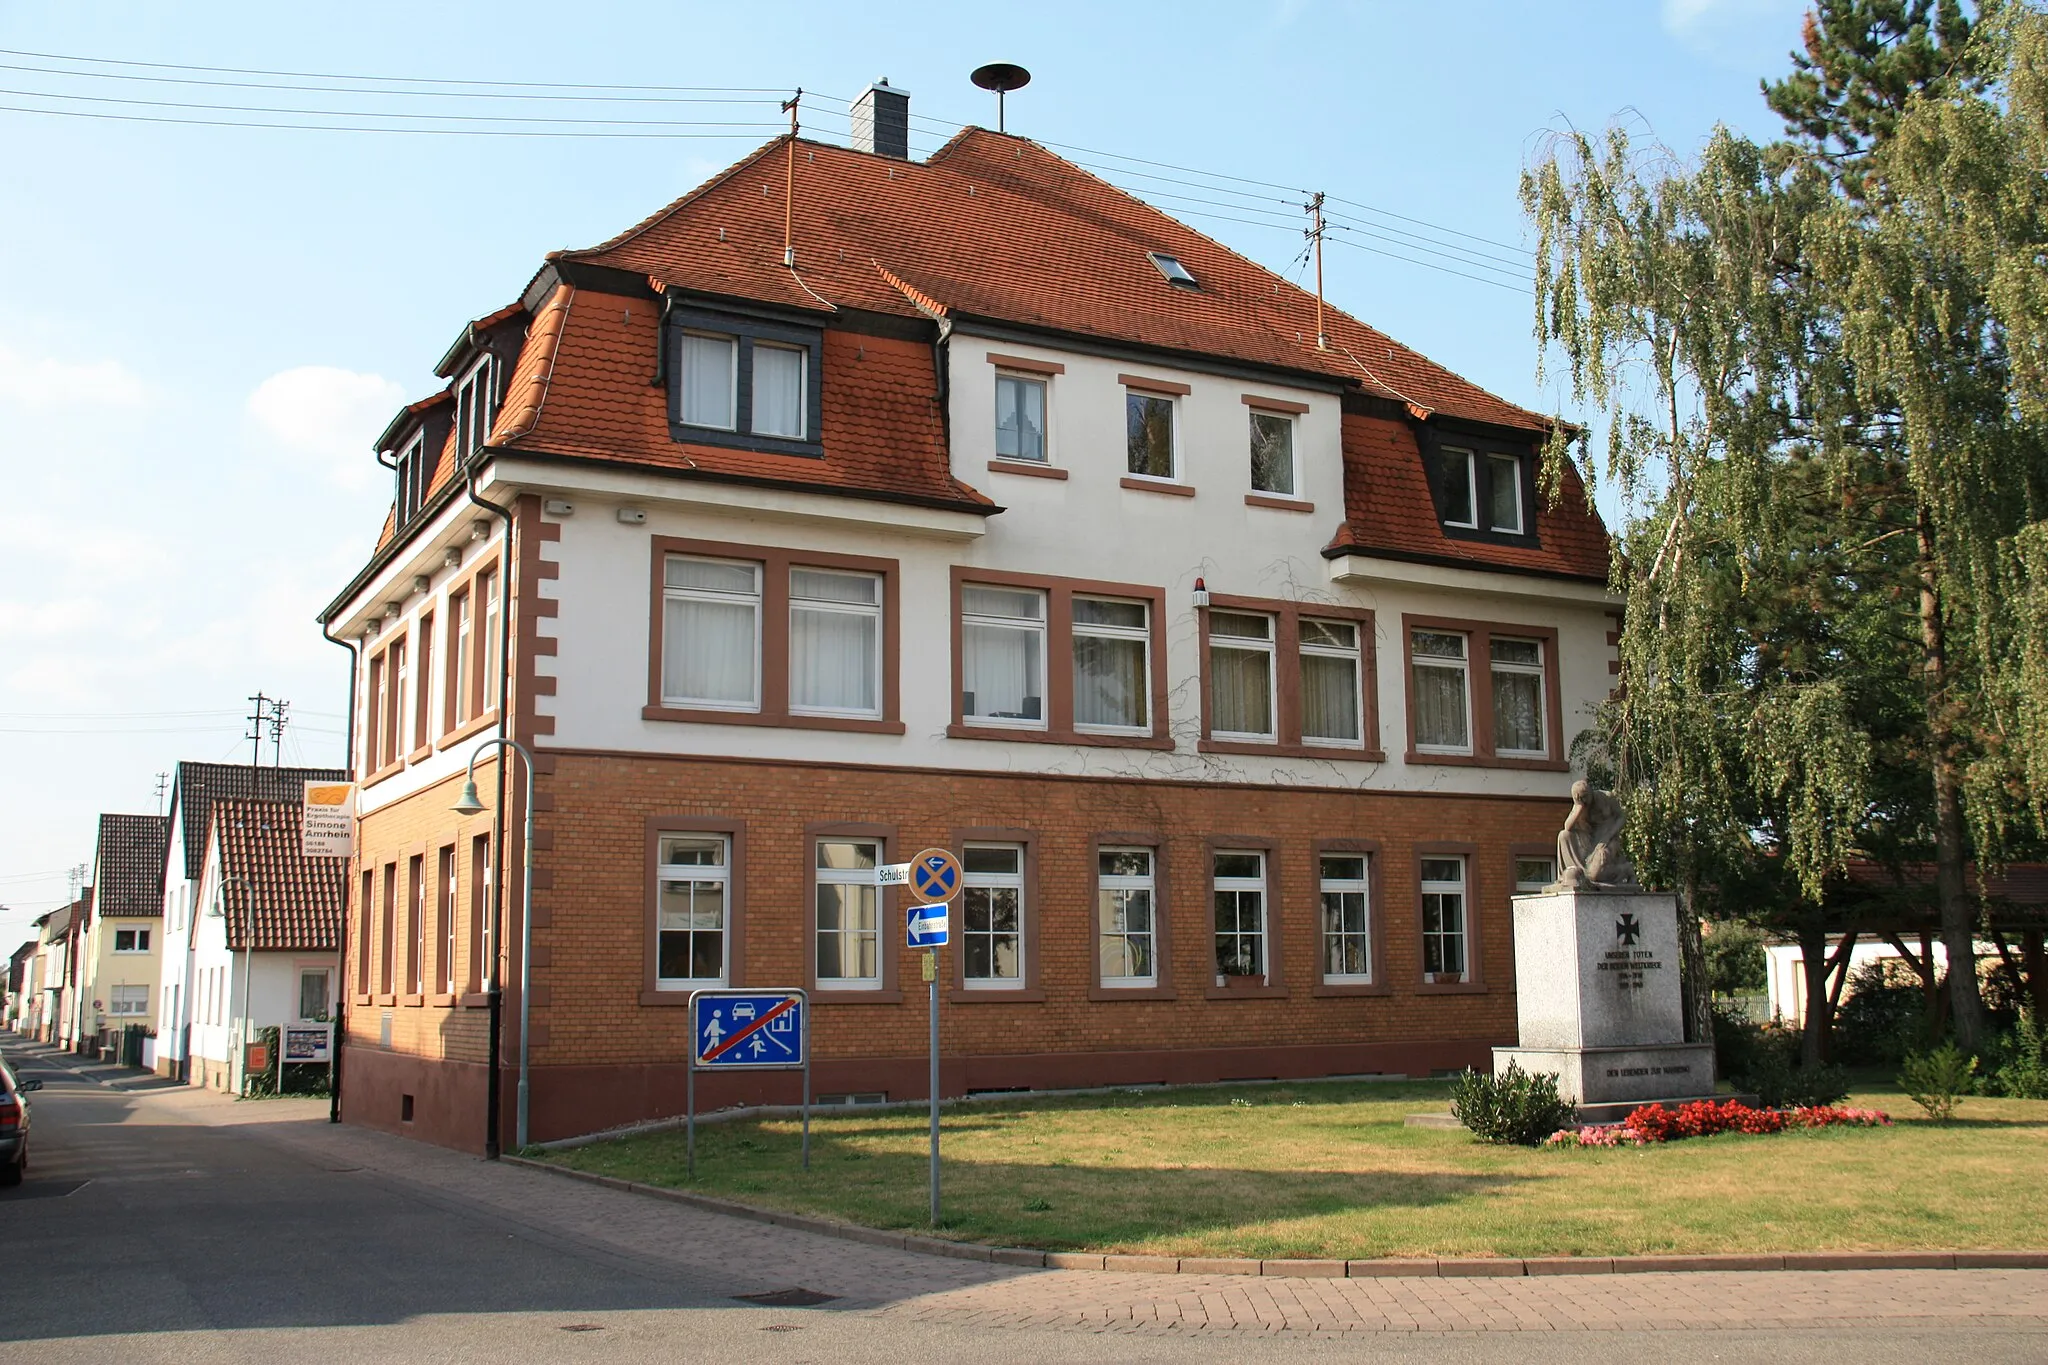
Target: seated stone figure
(1589, 852)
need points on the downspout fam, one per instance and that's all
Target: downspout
(493, 1100)
(348, 879)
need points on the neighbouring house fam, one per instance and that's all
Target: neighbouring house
(194, 790)
(124, 946)
(20, 985)
(264, 940)
(989, 509)
(54, 1010)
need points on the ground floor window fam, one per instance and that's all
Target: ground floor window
(848, 929)
(1240, 889)
(1125, 936)
(313, 994)
(690, 934)
(992, 915)
(127, 1001)
(1347, 923)
(1532, 875)
(1443, 920)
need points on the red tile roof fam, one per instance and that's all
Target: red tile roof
(289, 901)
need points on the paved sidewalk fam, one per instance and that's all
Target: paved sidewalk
(892, 1284)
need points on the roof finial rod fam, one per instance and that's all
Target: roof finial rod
(1314, 208)
(1001, 77)
(790, 107)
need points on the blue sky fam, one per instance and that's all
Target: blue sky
(204, 327)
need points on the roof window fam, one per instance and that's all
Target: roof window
(1170, 266)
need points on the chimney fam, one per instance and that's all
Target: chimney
(881, 121)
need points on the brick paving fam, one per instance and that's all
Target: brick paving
(743, 1256)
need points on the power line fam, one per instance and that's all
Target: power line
(364, 128)
(755, 124)
(395, 80)
(386, 90)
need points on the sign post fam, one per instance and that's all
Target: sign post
(746, 1030)
(934, 880)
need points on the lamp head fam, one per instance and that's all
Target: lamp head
(468, 803)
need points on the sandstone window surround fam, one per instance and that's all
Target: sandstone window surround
(1350, 919)
(995, 918)
(763, 635)
(854, 949)
(1058, 660)
(1023, 416)
(1130, 891)
(1288, 679)
(1473, 685)
(1449, 892)
(696, 907)
(470, 644)
(1153, 459)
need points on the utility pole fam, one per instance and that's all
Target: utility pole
(255, 735)
(1314, 208)
(277, 723)
(163, 784)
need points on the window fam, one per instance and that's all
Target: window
(461, 663)
(779, 390)
(1456, 491)
(416, 927)
(711, 629)
(693, 882)
(1172, 269)
(835, 643)
(1020, 418)
(393, 725)
(423, 691)
(365, 913)
(1112, 653)
(446, 903)
(1240, 888)
(373, 716)
(992, 915)
(710, 380)
(1534, 875)
(1125, 935)
(476, 406)
(1504, 494)
(1332, 702)
(1241, 675)
(1517, 697)
(1273, 453)
(127, 1001)
(1347, 922)
(1443, 920)
(1148, 434)
(482, 966)
(131, 940)
(489, 675)
(1002, 643)
(411, 469)
(388, 930)
(1442, 715)
(313, 994)
(848, 920)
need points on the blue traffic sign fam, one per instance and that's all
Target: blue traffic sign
(738, 1030)
(929, 927)
(934, 876)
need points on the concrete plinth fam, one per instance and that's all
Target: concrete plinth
(1597, 999)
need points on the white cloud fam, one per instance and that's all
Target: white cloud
(327, 417)
(36, 381)
(1735, 31)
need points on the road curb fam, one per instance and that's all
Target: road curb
(1386, 1268)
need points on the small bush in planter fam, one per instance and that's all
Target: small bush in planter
(1513, 1107)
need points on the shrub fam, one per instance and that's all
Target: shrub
(1735, 957)
(1884, 1016)
(1938, 1080)
(1513, 1107)
(1765, 1059)
(2023, 1072)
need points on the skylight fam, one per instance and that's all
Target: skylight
(1175, 272)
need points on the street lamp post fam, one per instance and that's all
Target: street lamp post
(470, 804)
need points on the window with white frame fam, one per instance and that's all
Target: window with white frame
(693, 880)
(1272, 453)
(1239, 884)
(835, 643)
(1347, 917)
(1518, 704)
(416, 954)
(711, 633)
(127, 1001)
(1534, 875)
(710, 386)
(779, 390)
(848, 923)
(1458, 487)
(1504, 494)
(1332, 699)
(1148, 434)
(1002, 657)
(476, 406)
(447, 896)
(131, 940)
(992, 915)
(1241, 675)
(1443, 714)
(1444, 931)
(315, 993)
(491, 683)
(1125, 934)
(1020, 418)
(413, 473)
(1112, 665)
(461, 660)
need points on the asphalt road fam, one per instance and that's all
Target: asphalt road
(142, 1235)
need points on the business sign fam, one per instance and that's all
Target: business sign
(928, 926)
(934, 876)
(739, 1030)
(307, 1043)
(256, 1057)
(329, 822)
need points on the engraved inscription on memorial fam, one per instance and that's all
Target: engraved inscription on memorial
(1613, 1071)
(1627, 965)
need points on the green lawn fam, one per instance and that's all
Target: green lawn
(1327, 1170)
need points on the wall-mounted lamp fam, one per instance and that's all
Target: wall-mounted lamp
(1201, 593)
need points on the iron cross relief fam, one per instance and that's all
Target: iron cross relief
(1628, 930)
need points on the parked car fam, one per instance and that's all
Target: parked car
(14, 1123)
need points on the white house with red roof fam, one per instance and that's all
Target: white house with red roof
(984, 507)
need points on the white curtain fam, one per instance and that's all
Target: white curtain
(707, 381)
(1109, 681)
(832, 656)
(1440, 712)
(1001, 671)
(1242, 680)
(778, 391)
(708, 651)
(1329, 697)
(1517, 711)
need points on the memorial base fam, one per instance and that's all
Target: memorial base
(1629, 1076)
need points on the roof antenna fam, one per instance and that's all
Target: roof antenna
(789, 107)
(1001, 77)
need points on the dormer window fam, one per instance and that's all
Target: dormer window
(412, 474)
(746, 382)
(1504, 494)
(1176, 274)
(1481, 493)
(476, 406)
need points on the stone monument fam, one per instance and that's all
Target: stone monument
(1596, 977)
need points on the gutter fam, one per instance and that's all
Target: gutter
(348, 760)
(493, 1098)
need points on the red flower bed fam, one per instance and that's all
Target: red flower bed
(1703, 1118)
